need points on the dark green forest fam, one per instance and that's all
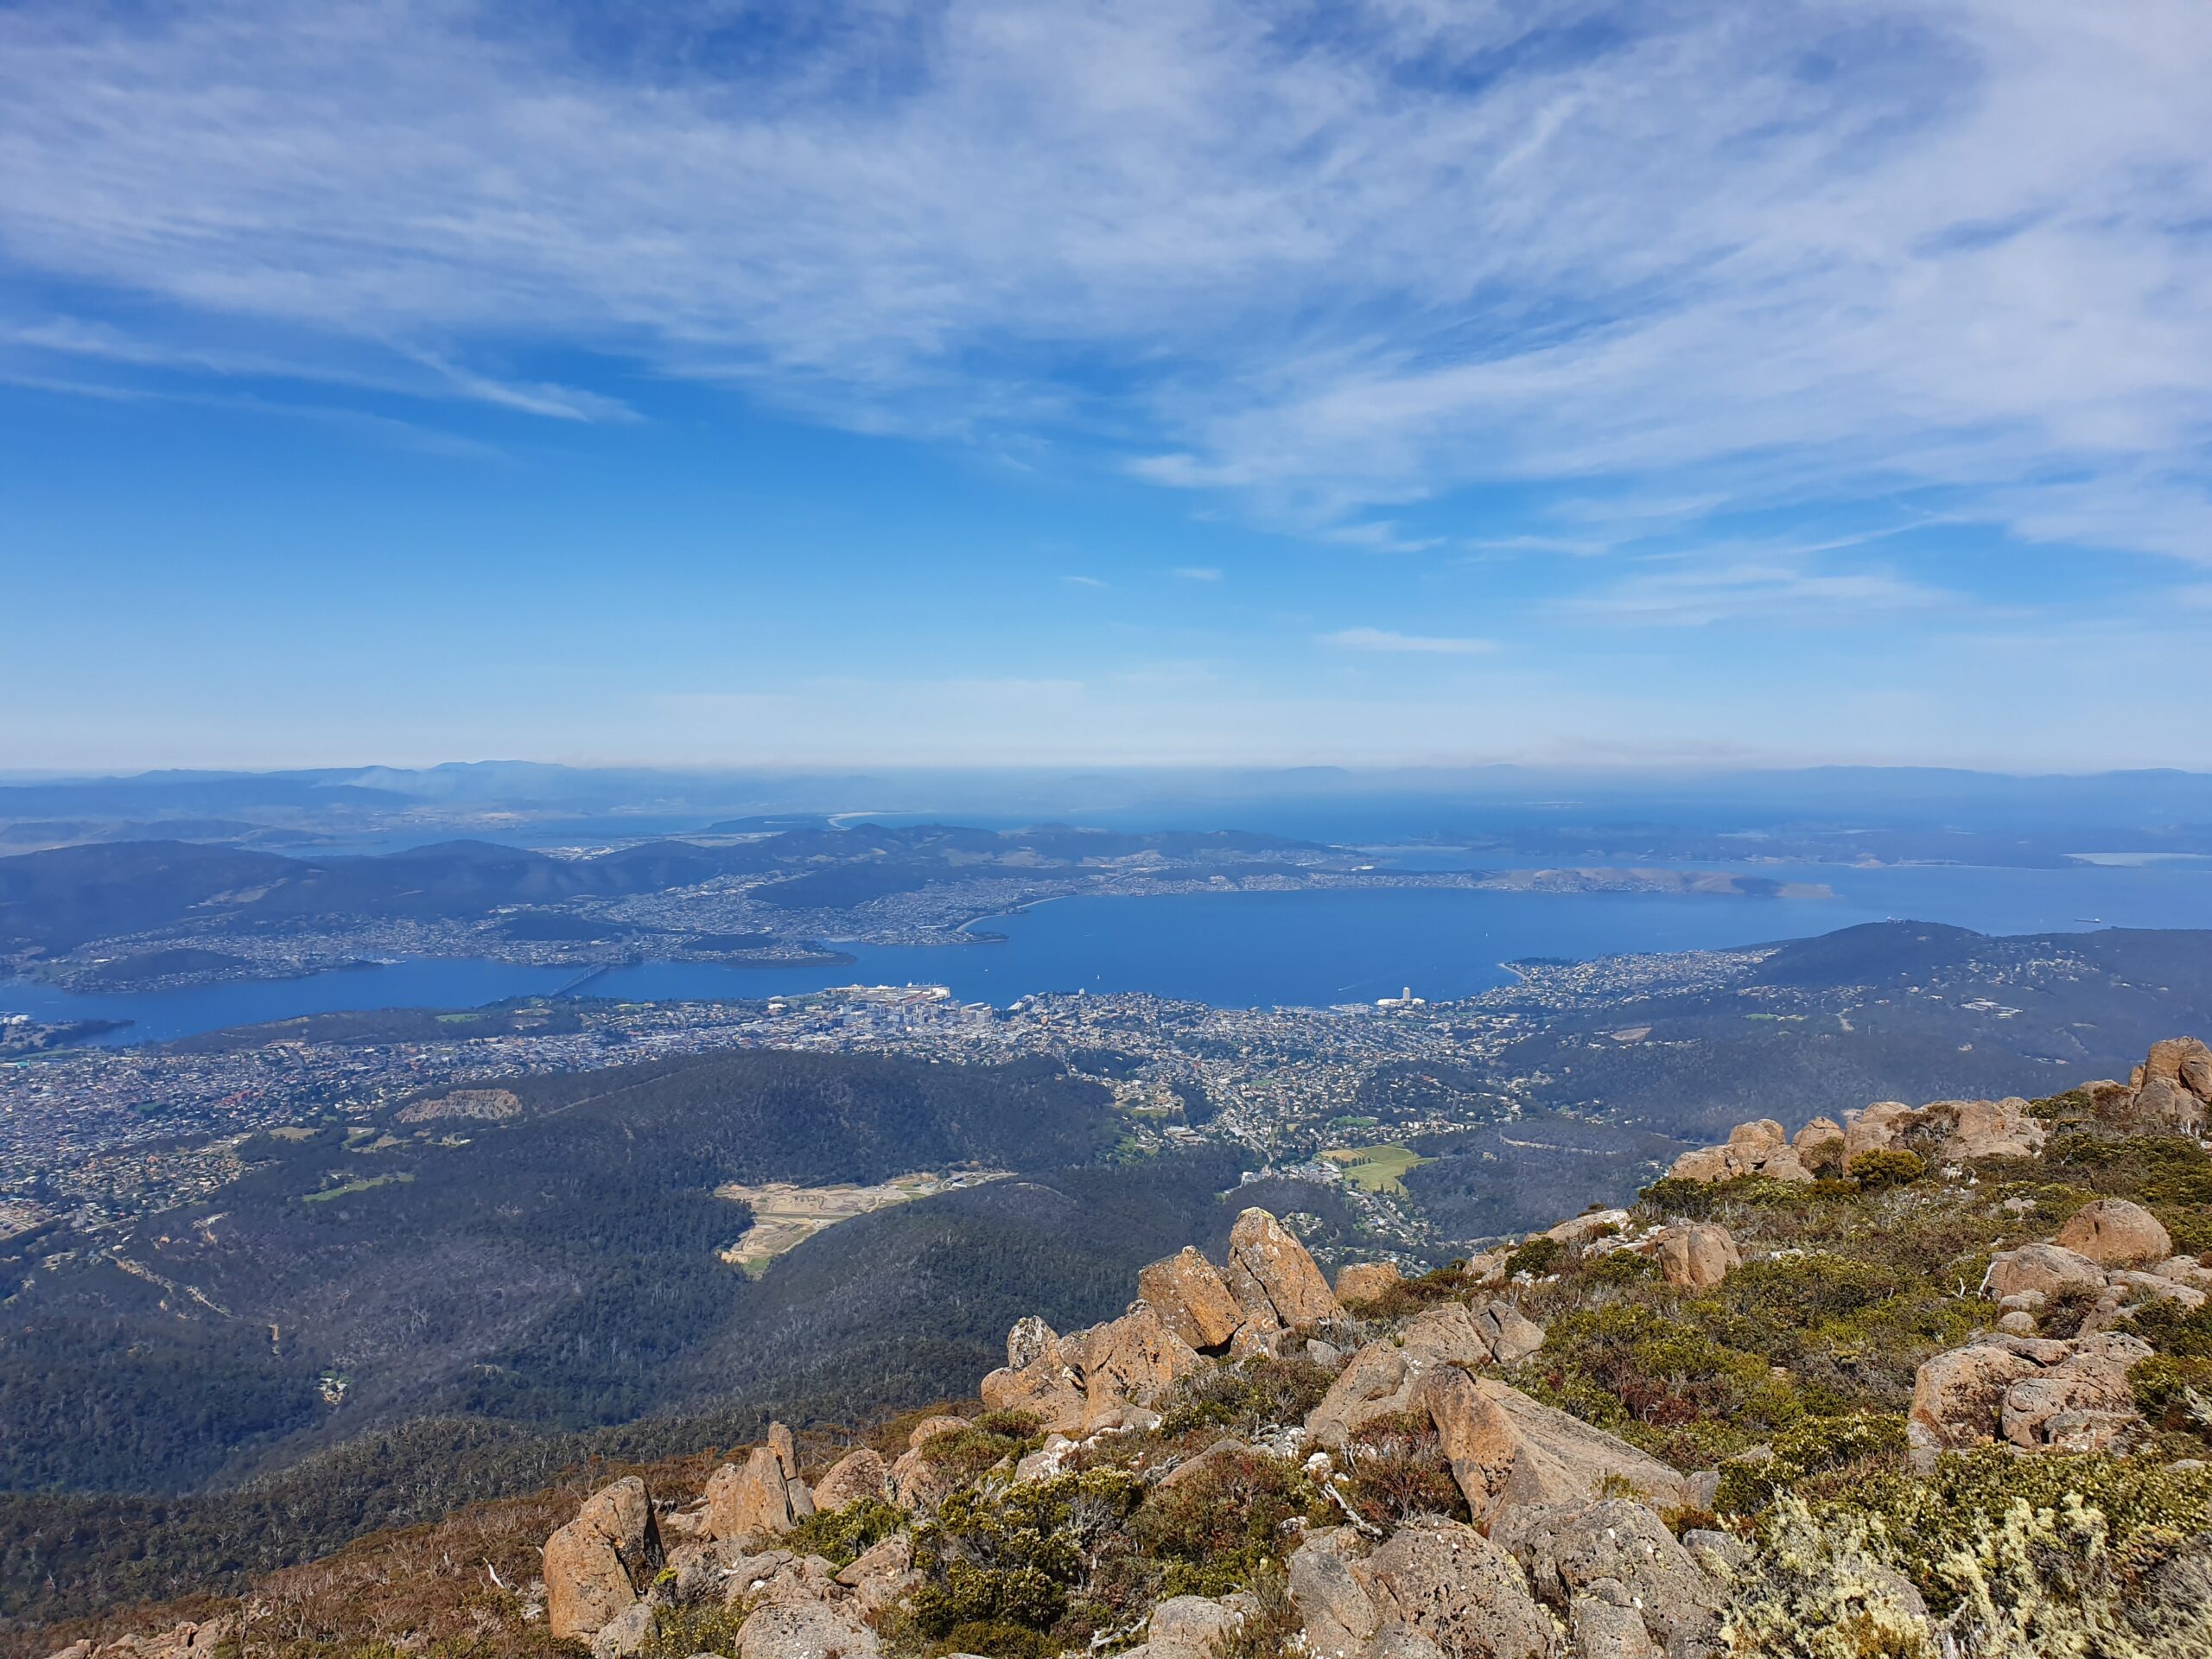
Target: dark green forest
(882, 1312)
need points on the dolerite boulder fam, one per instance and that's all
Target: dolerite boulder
(1507, 1451)
(1189, 1295)
(2031, 1392)
(2040, 1270)
(1363, 1281)
(1372, 1385)
(1131, 1360)
(1958, 1397)
(595, 1565)
(1512, 1336)
(1029, 1340)
(2172, 1091)
(805, 1631)
(1382, 1378)
(1445, 1333)
(1046, 1387)
(1337, 1614)
(756, 1501)
(1187, 1627)
(1946, 1130)
(1273, 1277)
(2114, 1233)
(1454, 1587)
(859, 1473)
(1584, 1552)
(1697, 1254)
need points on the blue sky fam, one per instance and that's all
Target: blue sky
(990, 381)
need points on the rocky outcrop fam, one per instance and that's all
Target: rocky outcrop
(1187, 1627)
(1092, 1377)
(761, 1499)
(1131, 1360)
(1337, 1614)
(189, 1639)
(1380, 1378)
(859, 1473)
(1507, 1451)
(881, 1575)
(1363, 1281)
(2115, 1233)
(805, 1631)
(1274, 1278)
(1098, 1376)
(1697, 1256)
(2170, 1093)
(1189, 1295)
(1619, 1555)
(595, 1565)
(1589, 1226)
(1512, 1336)
(1437, 1586)
(2043, 1270)
(2030, 1393)
(1758, 1148)
(1452, 1584)
(1953, 1131)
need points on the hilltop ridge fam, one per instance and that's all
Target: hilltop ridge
(1928, 1380)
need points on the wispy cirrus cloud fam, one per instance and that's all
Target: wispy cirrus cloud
(1331, 263)
(1385, 639)
(1692, 593)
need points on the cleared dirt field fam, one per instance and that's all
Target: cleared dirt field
(785, 1215)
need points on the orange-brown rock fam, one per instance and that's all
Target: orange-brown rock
(1446, 1581)
(1874, 1128)
(929, 1427)
(1047, 1388)
(1444, 1334)
(1507, 1451)
(1704, 1164)
(1697, 1256)
(859, 1473)
(594, 1564)
(2115, 1233)
(918, 1483)
(1132, 1359)
(1373, 1385)
(1989, 1128)
(1817, 1133)
(2044, 1270)
(2083, 1403)
(1268, 1269)
(1958, 1397)
(1188, 1293)
(751, 1502)
(1589, 1225)
(1363, 1281)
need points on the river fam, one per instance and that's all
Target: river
(1235, 950)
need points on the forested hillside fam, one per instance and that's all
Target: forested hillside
(556, 1267)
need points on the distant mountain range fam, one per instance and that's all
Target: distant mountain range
(1616, 812)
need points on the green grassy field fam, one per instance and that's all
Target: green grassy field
(1377, 1169)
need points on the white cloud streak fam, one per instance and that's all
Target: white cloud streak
(1329, 262)
(1383, 640)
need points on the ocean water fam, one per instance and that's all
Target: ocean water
(1234, 949)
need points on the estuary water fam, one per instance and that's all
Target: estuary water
(1234, 949)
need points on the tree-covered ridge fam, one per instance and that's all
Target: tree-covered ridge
(555, 1268)
(1734, 1373)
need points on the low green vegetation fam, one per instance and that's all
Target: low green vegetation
(361, 1183)
(1378, 1169)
